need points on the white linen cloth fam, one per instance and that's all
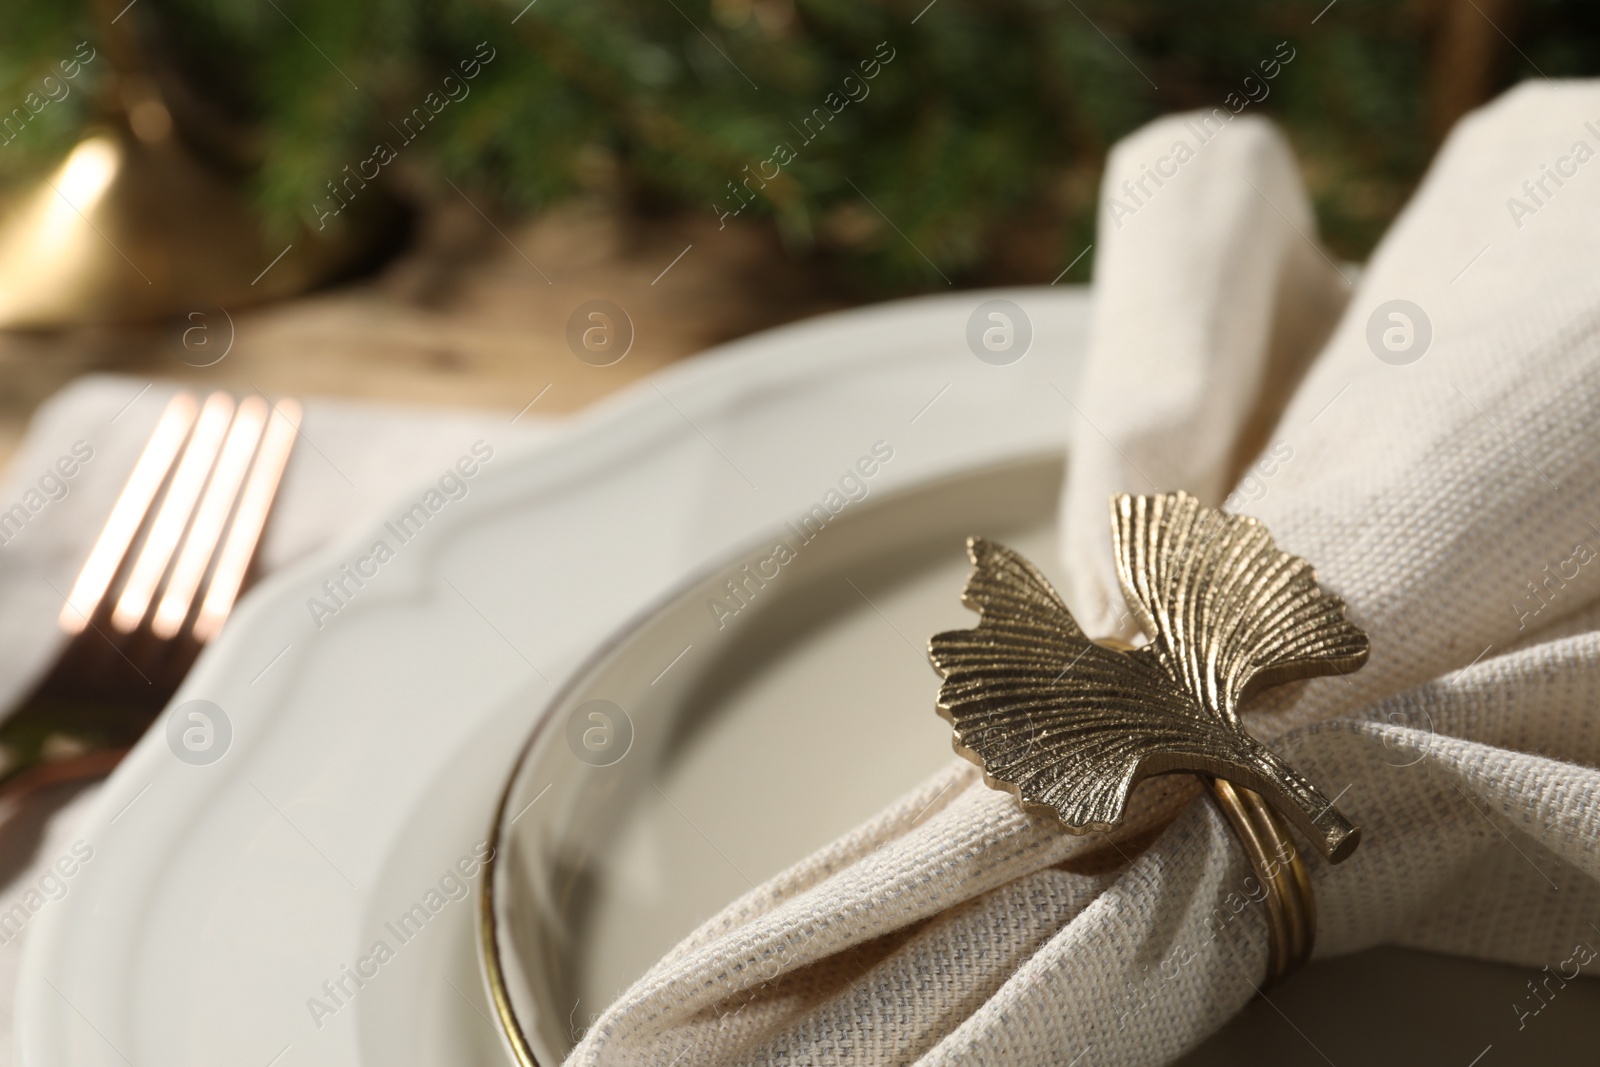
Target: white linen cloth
(1453, 500)
(352, 460)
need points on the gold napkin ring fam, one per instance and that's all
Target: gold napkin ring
(1281, 874)
(1069, 725)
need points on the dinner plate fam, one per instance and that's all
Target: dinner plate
(659, 787)
(366, 708)
(227, 905)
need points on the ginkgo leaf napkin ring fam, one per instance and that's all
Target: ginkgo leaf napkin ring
(1070, 725)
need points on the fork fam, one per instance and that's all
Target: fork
(156, 587)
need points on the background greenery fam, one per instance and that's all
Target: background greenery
(981, 141)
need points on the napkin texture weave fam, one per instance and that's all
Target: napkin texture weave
(1452, 497)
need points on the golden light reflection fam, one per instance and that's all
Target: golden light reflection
(48, 241)
(84, 177)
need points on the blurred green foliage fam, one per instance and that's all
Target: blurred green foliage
(981, 140)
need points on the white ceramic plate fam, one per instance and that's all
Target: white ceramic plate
(659, 788)
(231, 909)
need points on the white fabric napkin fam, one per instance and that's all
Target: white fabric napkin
(1450, 491)
(352, 460)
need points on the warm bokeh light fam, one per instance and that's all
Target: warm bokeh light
(49, 238)
(84, 177)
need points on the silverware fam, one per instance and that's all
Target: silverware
(157, 585)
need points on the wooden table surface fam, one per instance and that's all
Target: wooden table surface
(462, 318)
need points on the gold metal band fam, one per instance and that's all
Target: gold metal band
(1291, 909)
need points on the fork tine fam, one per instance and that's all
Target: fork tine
(86, 711)
(128, 514)
(206, 531)
(174, 515)
(254, 505)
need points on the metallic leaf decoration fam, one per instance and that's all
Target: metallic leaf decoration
(1070, 725)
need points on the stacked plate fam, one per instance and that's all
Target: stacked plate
(705, 603)
(627, 676)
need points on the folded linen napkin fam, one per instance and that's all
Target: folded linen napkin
(353, 460)
(1436, 463)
